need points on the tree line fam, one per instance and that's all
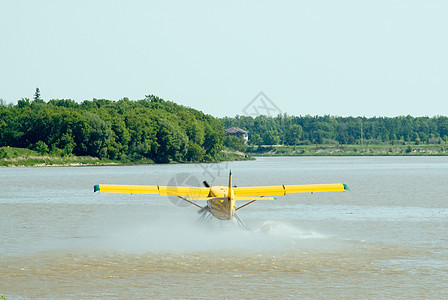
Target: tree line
(300, 130)
(163, 131)
(151, 128)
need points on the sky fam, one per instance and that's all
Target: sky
(226, 58)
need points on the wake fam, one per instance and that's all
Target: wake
(186, 236)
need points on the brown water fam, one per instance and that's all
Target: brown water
(387, 238)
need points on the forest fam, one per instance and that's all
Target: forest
(149, 129)
(306, 130)
(155, 130)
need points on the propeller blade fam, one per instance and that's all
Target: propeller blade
(203, 210)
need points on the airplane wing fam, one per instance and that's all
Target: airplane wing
(157, 190)
(203, 193)
(287, 189)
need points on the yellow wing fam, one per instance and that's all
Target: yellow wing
(202, 193)
(287, 189)
(157, 190)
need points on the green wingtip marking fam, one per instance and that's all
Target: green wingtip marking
(346, 187)
(96, 188)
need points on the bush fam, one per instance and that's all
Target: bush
(3, 153)
(235, 143)
(40, 147)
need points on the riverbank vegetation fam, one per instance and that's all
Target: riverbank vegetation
(152, 130)
(339, 131)
(148, 130)
(20, 157)
(408, 149)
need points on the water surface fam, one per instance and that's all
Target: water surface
(387, 237)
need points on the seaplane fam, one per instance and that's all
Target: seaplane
(221, 200)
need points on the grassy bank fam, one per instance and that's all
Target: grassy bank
(351, 150)
(22, 157)
(19, 157)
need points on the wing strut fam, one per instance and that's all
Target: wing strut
(190, 202)
(245, 204)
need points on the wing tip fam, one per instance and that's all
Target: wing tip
(346, 188)
(96, 188)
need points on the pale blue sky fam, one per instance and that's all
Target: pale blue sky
(359, 58)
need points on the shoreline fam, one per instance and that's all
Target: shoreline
(33, 160)
(350, 150)
(28, 164)
(28, 158)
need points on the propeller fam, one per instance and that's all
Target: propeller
(204, 209)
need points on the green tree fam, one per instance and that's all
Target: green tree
(195, 152)
(40, 147)
(213, 140)
(24, 102)
(3, 153)
(294, 134)
(235, 143)
(99, 136)
(255, 139)
(67, 143)
(173, 144)
(36, 94)
(270, 137)
(116, 130)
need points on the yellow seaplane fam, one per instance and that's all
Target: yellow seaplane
(221, 200)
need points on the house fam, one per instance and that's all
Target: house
(238, 132)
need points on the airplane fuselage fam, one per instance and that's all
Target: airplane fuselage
(222, 205)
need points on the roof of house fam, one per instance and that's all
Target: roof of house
(235, 130)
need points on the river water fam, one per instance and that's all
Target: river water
(386, 238)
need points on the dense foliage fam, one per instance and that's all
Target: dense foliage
(151, 128)
(162, 131)
(291, 130)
